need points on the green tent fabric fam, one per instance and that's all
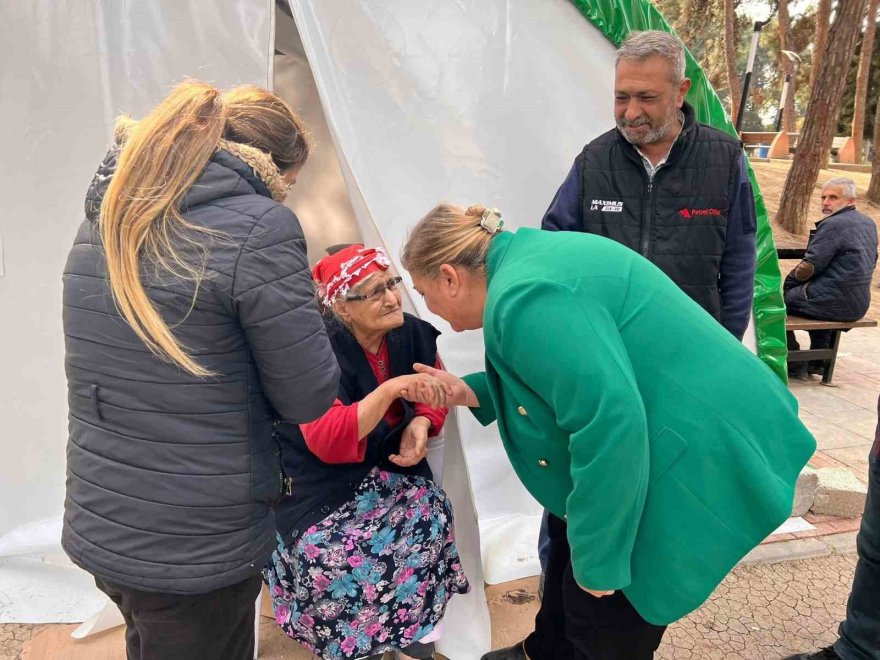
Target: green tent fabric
(616, 19)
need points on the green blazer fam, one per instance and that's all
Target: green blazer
(669, 448)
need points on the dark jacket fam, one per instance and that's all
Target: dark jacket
(695, 220)
(843, 252)
(317, 488)
(171, 479)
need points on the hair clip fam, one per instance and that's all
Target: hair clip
(491, 221)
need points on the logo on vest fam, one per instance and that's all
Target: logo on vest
(606, 206)
(693, 213)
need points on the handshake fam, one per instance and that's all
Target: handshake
(434, 387)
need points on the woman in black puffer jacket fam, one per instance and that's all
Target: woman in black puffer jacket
(191, 328)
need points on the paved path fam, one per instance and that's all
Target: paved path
(767, 611)
(758, 613)
(843, 416)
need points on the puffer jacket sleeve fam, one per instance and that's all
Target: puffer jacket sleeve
(822, 247)
(277, 309)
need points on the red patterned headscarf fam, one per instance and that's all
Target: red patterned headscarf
(338, 273)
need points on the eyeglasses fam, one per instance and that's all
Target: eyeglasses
(377, 292)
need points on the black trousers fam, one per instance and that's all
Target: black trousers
(573, 625)
(213, 626)
(818, 339)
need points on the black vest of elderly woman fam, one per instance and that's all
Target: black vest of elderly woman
(316, 487)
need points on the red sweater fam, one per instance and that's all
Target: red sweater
(333, 437)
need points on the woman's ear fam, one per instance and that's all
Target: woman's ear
(341, 310)
(449, 279)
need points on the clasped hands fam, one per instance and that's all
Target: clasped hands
(436, 387)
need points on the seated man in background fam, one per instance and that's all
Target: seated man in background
(833, 281)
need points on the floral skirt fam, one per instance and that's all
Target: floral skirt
(374, 575)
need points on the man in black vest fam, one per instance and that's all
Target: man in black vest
(833, 281)
(670, 188)
(666, 186)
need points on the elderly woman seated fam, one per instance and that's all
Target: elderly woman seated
(366, 559)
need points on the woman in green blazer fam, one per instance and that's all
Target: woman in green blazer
(664, 449)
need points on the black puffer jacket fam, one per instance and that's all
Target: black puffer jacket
(171, 479)
(843, 252)
(678, 219)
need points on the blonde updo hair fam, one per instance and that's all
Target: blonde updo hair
(448, 234)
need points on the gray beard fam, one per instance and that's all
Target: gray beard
(653, 135)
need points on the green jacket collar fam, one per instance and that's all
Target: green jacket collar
(497, 249)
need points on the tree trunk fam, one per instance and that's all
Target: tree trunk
(874, 186)
(786, 66)
(860, 104)
(730, 56)
(821, 117)
(823, 17)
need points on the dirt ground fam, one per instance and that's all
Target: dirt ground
(13, 636)
(771, 178)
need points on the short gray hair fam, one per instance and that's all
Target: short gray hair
(848, 185)
(650, 43)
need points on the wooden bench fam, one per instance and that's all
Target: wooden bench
(827, 355)
(779, 145)
(757, 137)
(753, 140)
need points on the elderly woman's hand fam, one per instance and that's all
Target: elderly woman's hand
(421, 388)
(413, 443)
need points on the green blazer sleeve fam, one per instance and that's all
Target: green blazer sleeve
(485, 414)
(565, 346)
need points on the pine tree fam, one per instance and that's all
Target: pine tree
(786, 65)
(861, 92)
(823, 18)
(874, 185)
(821, 116)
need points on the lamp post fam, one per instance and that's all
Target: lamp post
(787, 86)
(750, 65)
(747, 80)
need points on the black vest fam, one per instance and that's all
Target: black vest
(316, 487)
(679, 220)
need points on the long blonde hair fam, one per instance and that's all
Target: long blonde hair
(162, 157)
(448, 234)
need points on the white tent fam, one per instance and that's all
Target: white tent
(411, 103)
